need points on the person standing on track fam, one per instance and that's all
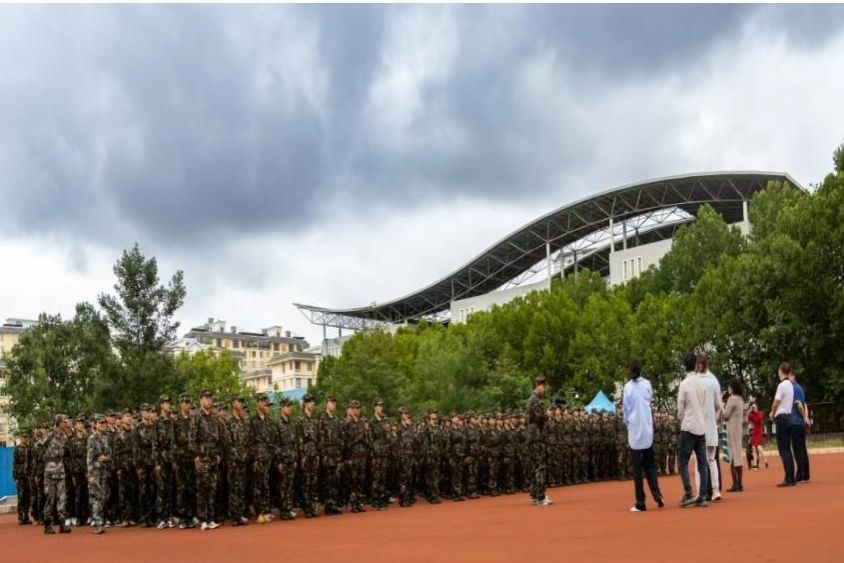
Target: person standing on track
(799, 422)
(638, 395)
(733, 415)
(535, 436)
(691, 404)
(208, 438)
(712, 415)
(98, 456)
(781, 415)
(755, 417)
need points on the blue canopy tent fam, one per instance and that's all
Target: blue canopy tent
(600, 402)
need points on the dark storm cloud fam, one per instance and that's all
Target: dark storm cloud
(193, 122)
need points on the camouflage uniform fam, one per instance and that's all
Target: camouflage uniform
(535, 435)
(36, 486)
(165, 480)
(20, 473)
(208, 437)
(286, 462)
(146, 472)
(330, 445)
(379, 433)
(237, 446)
(125, 455)
(98, 473)
(473, 455)
(492, 453)
(264, 442)
(357, 443)
(508, 459)
(184, 452)
(307, 434)
(432, 451)
(78, 489)
(457, 461)
(673, 438)
(56, 451)
(406, 453)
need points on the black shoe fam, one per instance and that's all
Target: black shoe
(701, 503)
(48, 529)
(785, 484)
(63, 529)
(659, 502)
(687, 500)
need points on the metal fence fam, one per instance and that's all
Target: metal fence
(827, 418)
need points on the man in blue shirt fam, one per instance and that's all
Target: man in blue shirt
(799, 421)
(638, 395)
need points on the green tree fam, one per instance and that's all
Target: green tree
(140, 316)
(217, 372)
(56, 364)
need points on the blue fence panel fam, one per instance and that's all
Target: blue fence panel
(7, 482)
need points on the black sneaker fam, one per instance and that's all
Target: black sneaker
(687, 500)
(701, 503)
(785, 484)
(659, 502)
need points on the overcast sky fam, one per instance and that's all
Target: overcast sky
(339, 155)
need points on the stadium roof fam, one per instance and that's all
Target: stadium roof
(579, 234)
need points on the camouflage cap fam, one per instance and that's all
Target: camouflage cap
(433, 411)
(331, 399)
(80, 418)
(146, 407)
(308, 398)
(285, 401)
(261, 397)
(403, 410)
(216, 405)
(379, 402)
(127, 411)
(238, 398)
(206, 393)
(59, 418)
(164, 399)
(185, 398)
(99, 418)
(354, 403)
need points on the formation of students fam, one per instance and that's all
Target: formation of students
(200, 467)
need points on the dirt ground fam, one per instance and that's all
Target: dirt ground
(586, 523)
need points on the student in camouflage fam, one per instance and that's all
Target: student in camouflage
(20, 473)
(165, 481)
(208, 438)
(330, 446)
(357, 446)
(286, 458)
(307, 436)
(406, 454)
(379, 433)
(264, 443)
(146, 432)
(535, 436)
(56, 450)
(184, 466)
(238, 431)
(97, 462)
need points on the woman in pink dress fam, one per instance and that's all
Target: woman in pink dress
(755, 418)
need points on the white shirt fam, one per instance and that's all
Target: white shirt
(691, 402)
(785, 396)
(713, 407)
(638, 395)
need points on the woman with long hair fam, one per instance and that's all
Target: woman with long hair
(755, 417)
(734, 416)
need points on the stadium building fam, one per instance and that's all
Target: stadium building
(619, 233)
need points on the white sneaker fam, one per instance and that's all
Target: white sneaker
(716, 497)
(213, 525)
(204, 526)
(171, 523)
(74, 521)
(547, 500)
(634, 509)
(161, 525)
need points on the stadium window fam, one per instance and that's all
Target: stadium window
(297, 365)
(639, 265)
(625, 271)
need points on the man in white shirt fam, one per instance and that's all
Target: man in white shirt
(781, 415)
(712, 416)
(638, 395)
(691, 404)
